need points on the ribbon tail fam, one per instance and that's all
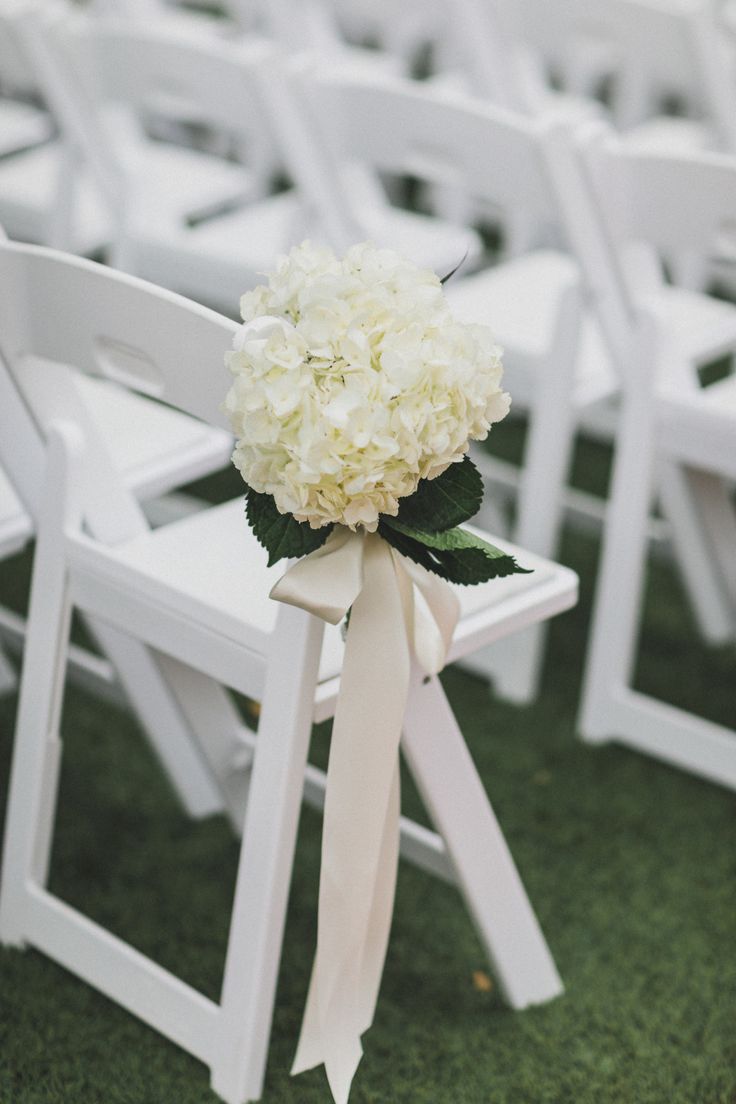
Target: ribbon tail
(309, 1050)
(379, 924)
(360, 833)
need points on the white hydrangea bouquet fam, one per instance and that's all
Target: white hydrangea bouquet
(354, 404)
(354, 398)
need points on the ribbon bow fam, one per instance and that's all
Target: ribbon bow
(397, 609)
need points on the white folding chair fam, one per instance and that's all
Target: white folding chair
(43, 195)
(23, 124)
(646, 53)
(673, 204)
(153, 451)
(197, 591)
(212, 258)
(555, 368)
(106, 143)
(403, 30)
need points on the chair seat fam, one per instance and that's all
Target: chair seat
(222, 257)
(28, 183)
(22, 125)
(519, 300)
(154, 447)
(672, 134)
(429, 242)
(209, 567)
(176, 184)
(179, 183)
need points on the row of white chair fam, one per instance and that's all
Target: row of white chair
(563, 360)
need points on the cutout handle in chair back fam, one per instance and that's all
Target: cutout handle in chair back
(129, 366)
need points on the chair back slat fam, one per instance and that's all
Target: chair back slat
(143, 66)
(400, 127)
(114, 326)
(678, 203)
(627, 27)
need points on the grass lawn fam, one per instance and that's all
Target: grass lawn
(631, 866)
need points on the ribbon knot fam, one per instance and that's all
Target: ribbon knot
(398, 610)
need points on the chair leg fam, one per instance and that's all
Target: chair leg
(219, 733)
(266, 857)
(486, 874)
(37, 751)
(515, 664)
(684, 497)
(159, 709)
(699, 509)
(617, 605)
(8, 677)
(714, 497)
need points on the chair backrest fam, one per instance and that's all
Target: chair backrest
(670, 205)
(15, 70)
(295, 24)
(59, 311)
(655, 48)
(647, 34)
(403, 127)
(88, 63)
(676, 202)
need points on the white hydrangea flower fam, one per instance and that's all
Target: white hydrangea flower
(353, 381)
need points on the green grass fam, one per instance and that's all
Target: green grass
(630, 865)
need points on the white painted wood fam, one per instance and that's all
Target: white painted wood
(264, 871)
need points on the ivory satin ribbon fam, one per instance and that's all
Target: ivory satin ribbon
(397, 609)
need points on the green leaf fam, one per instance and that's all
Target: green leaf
(441, 503)
(456, 554)
(452, 271)
(281, 534)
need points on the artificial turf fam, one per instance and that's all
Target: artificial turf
(631, 866)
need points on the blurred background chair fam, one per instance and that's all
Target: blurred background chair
(672, 203)
(24, 123)
(105, 143)
(210, 253)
